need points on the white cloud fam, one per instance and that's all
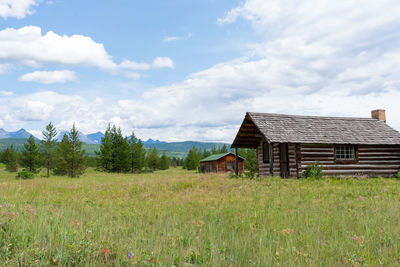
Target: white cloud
(16, 8)
(49, 77)
(168, 39)
(6, 93)
(34, 111)
(133, 75)
(27, 46)
(158, 63)
(163, 62)
(132, 65)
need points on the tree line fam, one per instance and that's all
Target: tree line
(117, 153)
(63, 158)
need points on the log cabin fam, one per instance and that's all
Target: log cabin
(224, 162)
(342, 146)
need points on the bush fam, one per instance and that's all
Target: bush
(398, 175)
(313, 171)
(25, 175)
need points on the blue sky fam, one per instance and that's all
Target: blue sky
(189, 70)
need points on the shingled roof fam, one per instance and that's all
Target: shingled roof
(278, 128)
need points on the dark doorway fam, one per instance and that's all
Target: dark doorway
(284, 160)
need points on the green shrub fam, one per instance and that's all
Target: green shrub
(398, 175)
(313, 171)
(25, 175)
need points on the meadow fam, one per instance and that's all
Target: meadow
(182, 218)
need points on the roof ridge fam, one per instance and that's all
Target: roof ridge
(313, 117)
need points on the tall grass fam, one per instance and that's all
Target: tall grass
(181, 218)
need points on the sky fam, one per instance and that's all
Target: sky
(178, 70)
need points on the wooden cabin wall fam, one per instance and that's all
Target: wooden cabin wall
(276, 166)
(372, 160)
(221, 165)
(292, 160)
(262, 168)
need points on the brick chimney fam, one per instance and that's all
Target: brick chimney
(379, 114)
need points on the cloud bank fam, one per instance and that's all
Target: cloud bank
(16, 8)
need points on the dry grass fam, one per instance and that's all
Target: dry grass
(182, 218)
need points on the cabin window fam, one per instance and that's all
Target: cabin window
(265, 148)
(345, 152)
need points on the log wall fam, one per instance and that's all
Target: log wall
(370, 160)
(263, 168)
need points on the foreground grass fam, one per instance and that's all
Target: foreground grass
(182, 218)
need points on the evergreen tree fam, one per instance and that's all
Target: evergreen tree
(223, 149)
(250, 164)
(77, 158)
(70, 157)
(120, 151)
(138, 154)
(153, 160)
(11, 160)
(3, 156)
(30, 158)
(205, 154)
(62, 156)
(192, 161)
(165, 162)
(49, 146)
(105, 155)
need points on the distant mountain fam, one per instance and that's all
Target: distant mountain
(20, 134)
(82, 137)
(153, 142)
(95, 138)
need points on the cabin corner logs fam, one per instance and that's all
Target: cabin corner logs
(291, 160)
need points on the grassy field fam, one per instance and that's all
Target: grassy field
(182, 218)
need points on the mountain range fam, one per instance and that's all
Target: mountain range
(21, 133)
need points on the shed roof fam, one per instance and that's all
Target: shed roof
(218, 156)
(278, 128)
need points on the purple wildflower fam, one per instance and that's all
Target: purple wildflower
(354, 237)
(130, 255)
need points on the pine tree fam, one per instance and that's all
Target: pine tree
(137, 154)
(105, 155)
(30, 158)
(77, 158)
(120, 151)
(223, 149)
(165, 162)
(62, 155)
(192, 161)
(153, 160)
(11, 161)
(49, 146)
(70, 157)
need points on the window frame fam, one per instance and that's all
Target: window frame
(265, 158)
(346, 160)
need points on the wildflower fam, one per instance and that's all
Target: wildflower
(130, 255)
(354, 238)
(1, 206)
(105, 251)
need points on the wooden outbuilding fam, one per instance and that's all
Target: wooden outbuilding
(222, 163)
(342, 146)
